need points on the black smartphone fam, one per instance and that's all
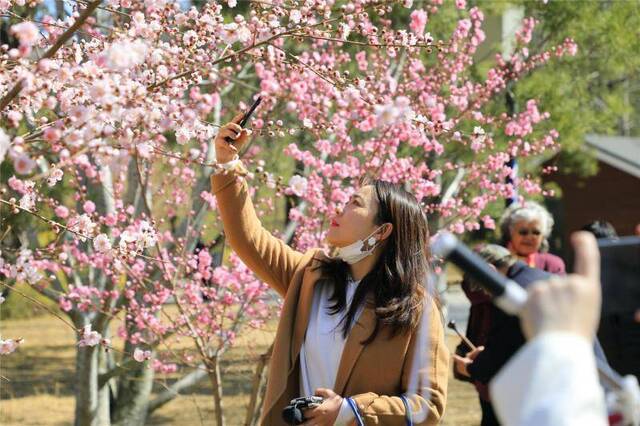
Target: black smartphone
(246, 116)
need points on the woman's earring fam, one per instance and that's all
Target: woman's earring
(368, 244)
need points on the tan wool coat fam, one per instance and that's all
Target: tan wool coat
(373, 374)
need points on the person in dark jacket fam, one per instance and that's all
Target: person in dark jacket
(497, 335)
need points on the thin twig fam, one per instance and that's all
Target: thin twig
(39, 303)
(106, 9)
(362, 43)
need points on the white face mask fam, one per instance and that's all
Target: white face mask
(357, 251)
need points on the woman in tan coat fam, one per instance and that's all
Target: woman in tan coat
(350, 324)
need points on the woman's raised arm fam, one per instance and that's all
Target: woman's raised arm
(270, 258)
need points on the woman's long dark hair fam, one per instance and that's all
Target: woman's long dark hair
(397, 280)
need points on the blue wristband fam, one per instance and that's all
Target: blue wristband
(354, 408)
(407, 408)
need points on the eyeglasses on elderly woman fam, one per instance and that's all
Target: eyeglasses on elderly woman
(526, 232)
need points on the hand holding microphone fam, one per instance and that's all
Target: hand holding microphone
(569, 303)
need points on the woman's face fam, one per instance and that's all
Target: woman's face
(526, 237)
(356, 221)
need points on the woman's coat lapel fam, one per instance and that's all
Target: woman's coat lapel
(361, 330)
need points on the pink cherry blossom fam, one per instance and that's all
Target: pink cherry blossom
(488, 222)
(418, 21)
(4, 5)
(89, 337)
(9, 346)
(89, 207)
(51, 134)
(28, 201)
(101, 243)
(62, 212)
(26, 32)
(83, 225)
(23, 164)
(141, 355)
(298, 185)
(126, 54)
(55, 176)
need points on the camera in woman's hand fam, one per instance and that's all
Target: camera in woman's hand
(293, 414)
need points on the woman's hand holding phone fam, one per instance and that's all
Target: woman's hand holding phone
(226, 151)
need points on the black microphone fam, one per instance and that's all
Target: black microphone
(508, 295)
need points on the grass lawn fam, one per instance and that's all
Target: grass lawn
(36, 387)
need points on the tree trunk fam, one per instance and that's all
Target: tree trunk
(104, 393)
(182, 385)
(134, 391)
(253, 410)
(213, 367)
(262, 393)
(92, 405)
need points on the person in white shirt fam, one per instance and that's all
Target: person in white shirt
(553, 379)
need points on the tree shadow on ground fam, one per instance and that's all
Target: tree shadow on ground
(30, 373)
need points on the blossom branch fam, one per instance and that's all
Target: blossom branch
(88, 11)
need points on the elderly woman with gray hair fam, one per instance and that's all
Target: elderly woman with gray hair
(525, 229)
